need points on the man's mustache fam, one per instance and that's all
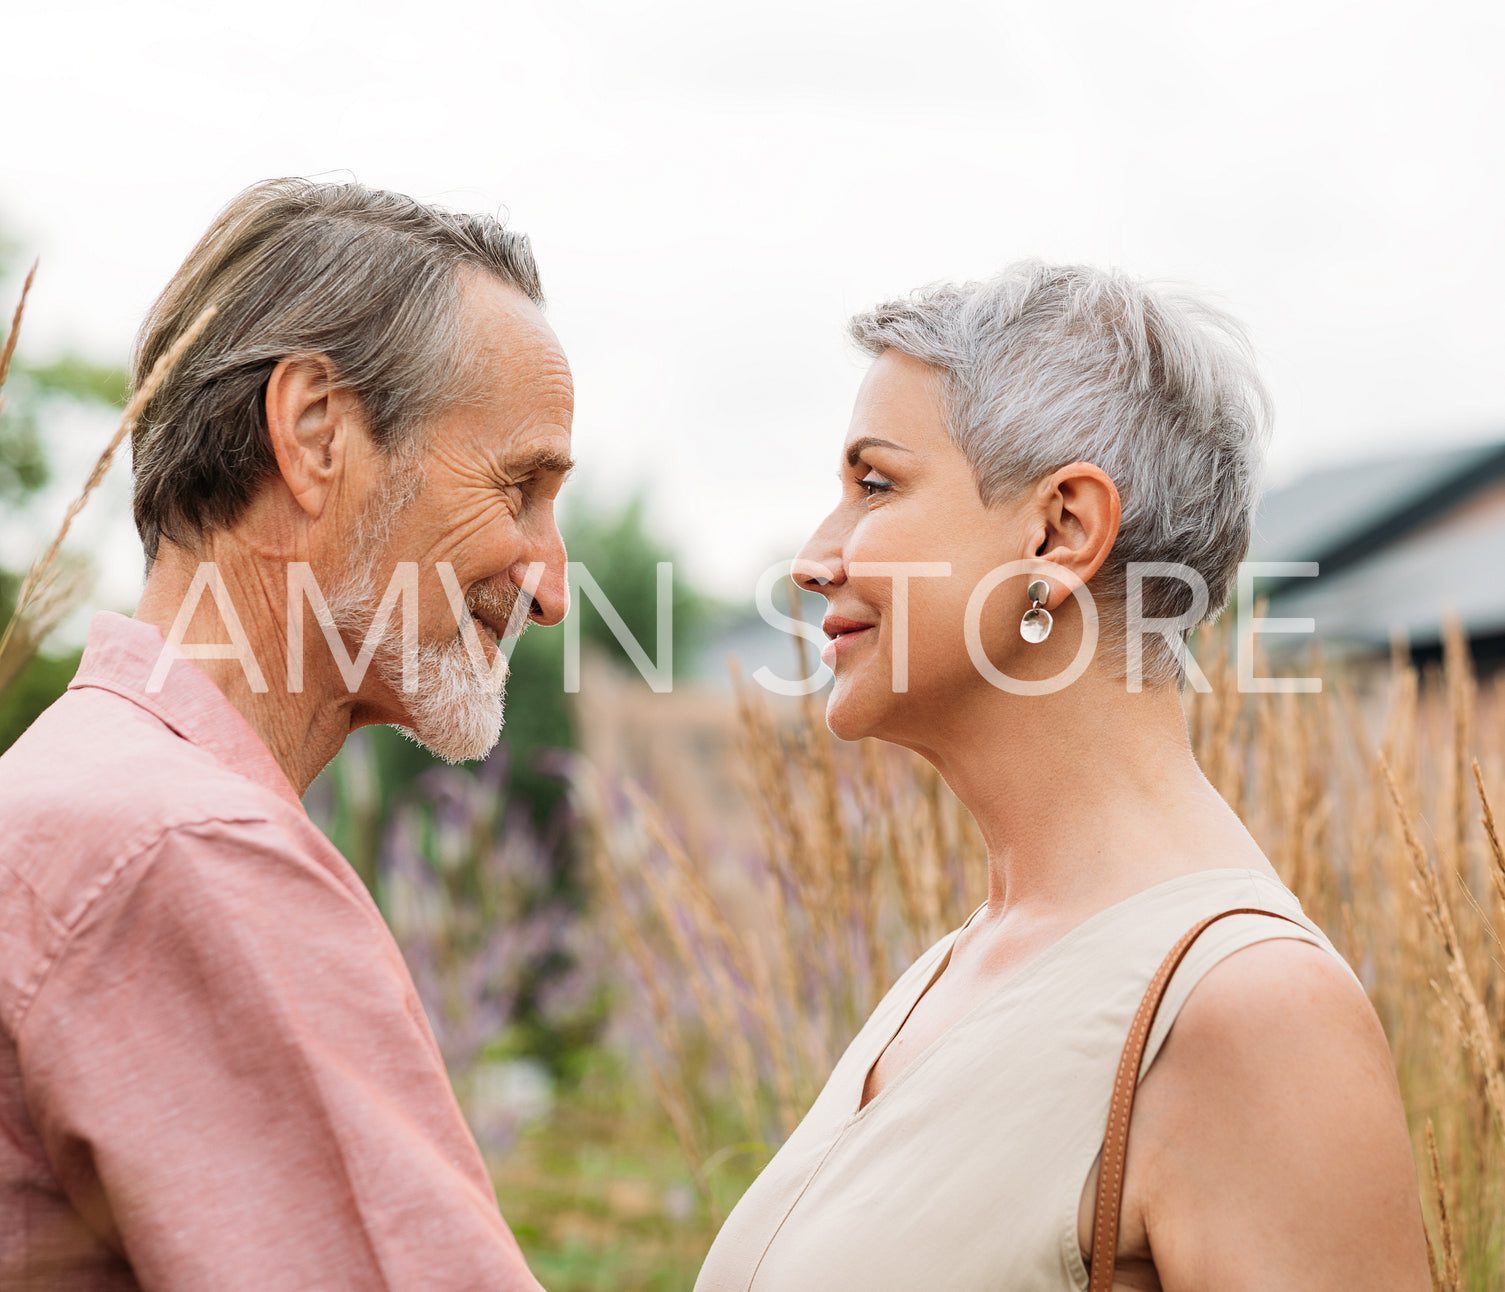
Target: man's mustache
(497, 603)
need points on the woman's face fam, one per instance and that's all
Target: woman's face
(908, 495)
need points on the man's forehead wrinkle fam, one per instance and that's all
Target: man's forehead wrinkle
(523, 378)
(553, 388)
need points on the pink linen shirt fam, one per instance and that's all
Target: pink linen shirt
(214, 1070)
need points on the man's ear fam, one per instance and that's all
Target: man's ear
(311, 421)
(1081, 515)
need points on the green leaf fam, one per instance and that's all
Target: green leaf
(81, 379)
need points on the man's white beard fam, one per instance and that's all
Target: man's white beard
(453, 709)
(454, 712)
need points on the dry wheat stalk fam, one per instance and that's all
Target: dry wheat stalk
(164, 365)
(1449, 1245)
(662, 1016)
(1492, 835)
(50, 601)
(15, 329)
(1474, 1021)
(681, 906)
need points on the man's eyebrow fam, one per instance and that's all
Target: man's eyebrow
(549, 460)
(854, 449)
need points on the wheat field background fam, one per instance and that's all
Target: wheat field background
(752, 965)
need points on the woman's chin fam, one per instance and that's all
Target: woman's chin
(850, 714)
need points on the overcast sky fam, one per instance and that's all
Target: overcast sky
(712, 189)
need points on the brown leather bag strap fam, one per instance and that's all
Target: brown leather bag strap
(1110, 1180)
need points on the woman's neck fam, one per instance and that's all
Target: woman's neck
(1085, 797)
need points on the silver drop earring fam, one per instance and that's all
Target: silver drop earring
(1036, 625)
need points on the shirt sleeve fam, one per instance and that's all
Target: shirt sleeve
(236, 1085)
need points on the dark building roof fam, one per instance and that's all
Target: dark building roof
(1401, 541)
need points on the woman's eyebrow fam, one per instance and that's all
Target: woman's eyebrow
(854, 449)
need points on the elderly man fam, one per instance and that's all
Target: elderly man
(214, 1070)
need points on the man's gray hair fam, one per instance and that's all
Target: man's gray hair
(369, 279)
(1045, 365)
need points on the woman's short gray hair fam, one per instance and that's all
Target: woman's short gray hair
(1046, 365)
(369, 279)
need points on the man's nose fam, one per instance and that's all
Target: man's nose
(818, 567)
(551, 598)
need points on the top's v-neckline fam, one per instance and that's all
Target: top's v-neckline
(935, 976)
(1021, 974)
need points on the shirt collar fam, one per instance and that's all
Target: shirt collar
(119, 657)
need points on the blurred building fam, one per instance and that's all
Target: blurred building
(1401, 543)
(742, 644)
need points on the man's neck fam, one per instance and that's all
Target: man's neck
(302, 729)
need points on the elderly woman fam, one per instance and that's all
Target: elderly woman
(1020, 449)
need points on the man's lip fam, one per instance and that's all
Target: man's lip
(835, 625)
(499, 629)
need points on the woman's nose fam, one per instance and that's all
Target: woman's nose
(818, 566)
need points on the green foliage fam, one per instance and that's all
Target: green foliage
(599, 1196)
(23, 473)
(43, 679)
(80, 379)
(23, 458)
(621, 553)
(23, 467)
(41, 682)
(28, 393)
(623, 557)
(31, 387)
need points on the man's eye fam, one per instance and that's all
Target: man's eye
(874, 482)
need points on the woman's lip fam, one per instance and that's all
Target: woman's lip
(833, 624)
(842, 641)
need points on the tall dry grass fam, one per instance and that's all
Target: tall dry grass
(54, 583)
(753, 965)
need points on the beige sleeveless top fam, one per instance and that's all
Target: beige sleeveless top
(967, 1169)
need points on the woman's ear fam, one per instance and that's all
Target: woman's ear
(310, 422)
(1082, 512)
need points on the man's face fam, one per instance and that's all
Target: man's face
(488, 473)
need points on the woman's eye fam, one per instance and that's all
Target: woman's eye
(874, 482)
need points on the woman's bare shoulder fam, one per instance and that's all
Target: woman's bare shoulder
(1259, 1004)
(1272, 1142)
